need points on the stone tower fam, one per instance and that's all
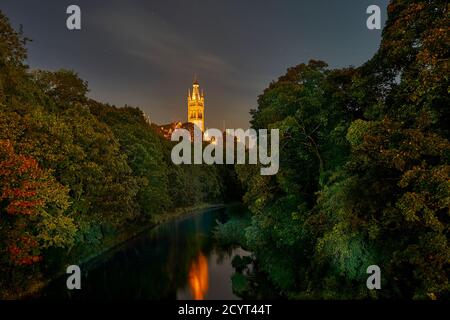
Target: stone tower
(196, 106)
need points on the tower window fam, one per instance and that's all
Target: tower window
(199, 115)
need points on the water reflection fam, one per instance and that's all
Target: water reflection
(198, 277)
(178, 260)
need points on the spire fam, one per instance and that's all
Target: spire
(195, 90)
(195, 79)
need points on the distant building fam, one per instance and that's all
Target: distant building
(195, 114)
(196, 106)
(167, 129)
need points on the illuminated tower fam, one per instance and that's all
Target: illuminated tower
(196, 107)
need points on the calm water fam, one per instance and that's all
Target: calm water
(177, 260)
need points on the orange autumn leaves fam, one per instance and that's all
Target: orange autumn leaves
(20, 253)
(21, 178)
(25, 193)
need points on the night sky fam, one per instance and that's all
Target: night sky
(145, 53)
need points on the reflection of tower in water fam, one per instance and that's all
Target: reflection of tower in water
(198, 277)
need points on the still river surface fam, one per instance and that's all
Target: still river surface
(176, 260)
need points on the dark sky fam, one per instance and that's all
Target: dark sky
(144, 53)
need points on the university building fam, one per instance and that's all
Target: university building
(195, 113)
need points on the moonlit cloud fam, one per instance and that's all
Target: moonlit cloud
(149, 38)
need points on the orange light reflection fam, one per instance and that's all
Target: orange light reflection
(198, 277)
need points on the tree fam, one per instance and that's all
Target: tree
(32, 206)
(393, 192)
(364, 177)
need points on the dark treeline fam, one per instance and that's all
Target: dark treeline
(76, 175)
(364, 171)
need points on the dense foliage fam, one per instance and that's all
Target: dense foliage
(364, 172)
(76, 174)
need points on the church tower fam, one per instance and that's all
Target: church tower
(196, 106)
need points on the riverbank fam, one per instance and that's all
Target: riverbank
(183, 212)
(167, 262)
(131, 231)
(102, 252)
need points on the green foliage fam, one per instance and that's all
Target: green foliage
(364, 171)
(33, 203)
(357, 131)
(363, 179)
(144, 154)
(80, 174)
(232, 232)
(240, 283)
(240, 263)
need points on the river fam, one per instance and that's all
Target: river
(176, 260)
